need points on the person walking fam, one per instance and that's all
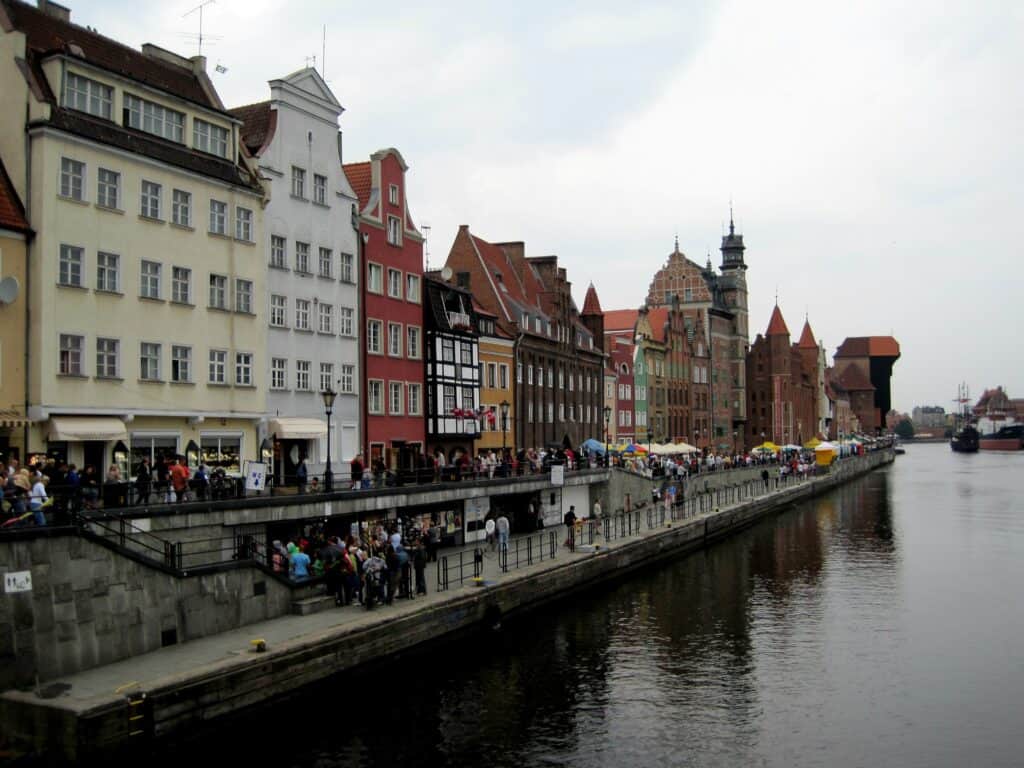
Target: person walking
(179, 478)
(38, 499)
(503, 528)
(419, 564)
(143, 483)
(570, 525)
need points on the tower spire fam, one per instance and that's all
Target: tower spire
(732, 227)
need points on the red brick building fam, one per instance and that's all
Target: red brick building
(392, 311)
(782, 384)
(864, 366)
(559, 358)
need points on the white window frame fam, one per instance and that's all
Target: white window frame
(218, 217)
(326, 376)
(150, 117)
(72, 179)
(394, 339)
(209, 138)
(347, 379)
(302, 315)
(412, 288)
(181, 208)
(396, 388)
(181, 276)
(71, 266)
(147, 280)
(414, 392)
(325, 318)
(217, 297)
(302, 258)
(375, 396)
(108, 354)
(71, 347)
(244, 362)
(278, 310)
(243, 224)
(413, 342)
(151, 200)
(279, 251)
(217, 367)
(394, 235)
(181, 364)
(346, 321)
(393, 194)
(278, 373)
(108, 189)
(347, 268)
(155, 353)
(303, 374)
(90, 96)
(298, 182)
(319, 189)
(243, 296)
(375, 270)
(108, 272)
(374, 336)
(394, 283)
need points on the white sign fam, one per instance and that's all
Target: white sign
(558, 474)
(255, 476)
(18, 581)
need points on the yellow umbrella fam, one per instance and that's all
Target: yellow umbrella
(768, 445)
(814, 442)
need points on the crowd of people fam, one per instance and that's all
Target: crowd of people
(360, 570)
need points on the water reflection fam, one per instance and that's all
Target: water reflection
(828, 634)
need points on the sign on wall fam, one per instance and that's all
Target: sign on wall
(255, 475)
(558, 474)
(18, 581)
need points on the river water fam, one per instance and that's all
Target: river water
(880, 624)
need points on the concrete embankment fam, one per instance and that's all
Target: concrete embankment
(158, 694)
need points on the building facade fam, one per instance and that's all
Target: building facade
(14, 237)
(497, 385)
(392, 287)
(864, 365)
(559, 362)
(310, 248)
(146, 272)
(454, 416)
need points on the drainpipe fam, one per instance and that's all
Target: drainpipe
(28, 280)
(364, 449)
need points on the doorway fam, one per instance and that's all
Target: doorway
(93, 452)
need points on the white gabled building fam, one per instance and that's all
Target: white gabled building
(312, 298)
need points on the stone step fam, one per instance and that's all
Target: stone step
(310, 605)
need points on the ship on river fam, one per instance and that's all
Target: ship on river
(1008, 438)
(965, 434)
(998, 422)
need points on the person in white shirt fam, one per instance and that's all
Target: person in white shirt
(37, 497)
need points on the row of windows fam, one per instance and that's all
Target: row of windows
(95, 98)
(579, 380)
(497, 375)
(71, 273)
(404, 398)
(299, 186)
(374, 340)
(303, 376)
(587, 414)
(109, 194)
(304, 309)
(547, 328)
(324, 263)
(375, 283)
(151, 361)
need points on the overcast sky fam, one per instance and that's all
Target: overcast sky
(872, 149)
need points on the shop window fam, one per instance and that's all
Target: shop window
(221, 451)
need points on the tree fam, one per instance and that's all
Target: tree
(905, 429)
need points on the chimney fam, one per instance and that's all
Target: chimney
(169, 57)
(198, 64)
(55, 11)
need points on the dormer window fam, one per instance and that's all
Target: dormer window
(152, 118)
(87, 95)
(209, 138)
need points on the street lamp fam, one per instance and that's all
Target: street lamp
(607, 423)
(328, 396)
(504, 429)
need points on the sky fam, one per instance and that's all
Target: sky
(871, 150)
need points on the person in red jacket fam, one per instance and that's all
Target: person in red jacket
(179, 478)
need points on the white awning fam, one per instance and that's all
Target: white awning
(81, 428)
(295, 428)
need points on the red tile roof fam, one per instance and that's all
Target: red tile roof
(46, 34)
(591, 306)
(360, 176)
(869, 346)
(777, 325)
(658, 317)
(807, 337)
(620, 320)
(12, 212)
(259, 122)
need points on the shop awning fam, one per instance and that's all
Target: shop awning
(295, 428)
(81, 428)
(11, 420)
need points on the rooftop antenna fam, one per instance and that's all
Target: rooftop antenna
(311, 61)
(426, 245)
(323, 54)
(776, 294)
(200, 9)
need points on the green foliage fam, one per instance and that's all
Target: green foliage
(905, 429)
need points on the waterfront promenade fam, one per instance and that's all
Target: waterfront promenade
(157, 693)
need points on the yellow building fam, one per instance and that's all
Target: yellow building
(14, 234)
(146, 297)
(497, 362)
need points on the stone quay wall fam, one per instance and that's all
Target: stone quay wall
(198, 695)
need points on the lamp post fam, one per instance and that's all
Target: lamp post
(607, 424)
(328, 396)
(504, 429)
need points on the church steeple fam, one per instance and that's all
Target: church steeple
(732, 247)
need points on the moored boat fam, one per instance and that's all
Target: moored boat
(965, 437)
(1008, 438)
